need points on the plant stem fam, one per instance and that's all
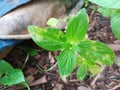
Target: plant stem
(51, 67)
(47, 69)
(25, 61)
(27, 86)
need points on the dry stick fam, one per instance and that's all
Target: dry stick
(39, 81)
(25, 61)
(98, 76)
(114, 88)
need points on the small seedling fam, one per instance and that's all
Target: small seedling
(76, 50)
(11, 76)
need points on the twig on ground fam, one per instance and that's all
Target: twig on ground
(25, 61)
(114, 88)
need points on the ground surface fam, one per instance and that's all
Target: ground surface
(34, 70)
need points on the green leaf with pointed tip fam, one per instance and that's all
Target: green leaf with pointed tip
(81, 72)
(77, 27)
(66, 62)
(107, 3)
(96, 52)
(115, 24)
(12, 77)
(4, 67)
(48, 38)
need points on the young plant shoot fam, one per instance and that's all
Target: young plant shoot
(76, 50)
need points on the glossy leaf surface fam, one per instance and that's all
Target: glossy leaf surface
(66, 62)
(96, 52)
(12, 77)
(77, 27)
(48, 38)
(81, 72)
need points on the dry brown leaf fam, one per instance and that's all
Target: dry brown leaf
(39, 81)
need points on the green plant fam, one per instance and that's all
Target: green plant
(115, 4)
(108, 9)
(30, 52)
(11, 76)
(76, 50)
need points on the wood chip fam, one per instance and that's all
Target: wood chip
(83, 88)
(39, 81)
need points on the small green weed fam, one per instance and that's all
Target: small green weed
(76, 50)
(11, 76)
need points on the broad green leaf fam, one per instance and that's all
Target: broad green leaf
(77, 27)
(12, 77)
(96, 52)
(66, 62)
(52, 22)
(115, 24)
(4, 67)
(108, 12)
(48, 38)
(107, 3)
(89, 62)
(81, 72)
